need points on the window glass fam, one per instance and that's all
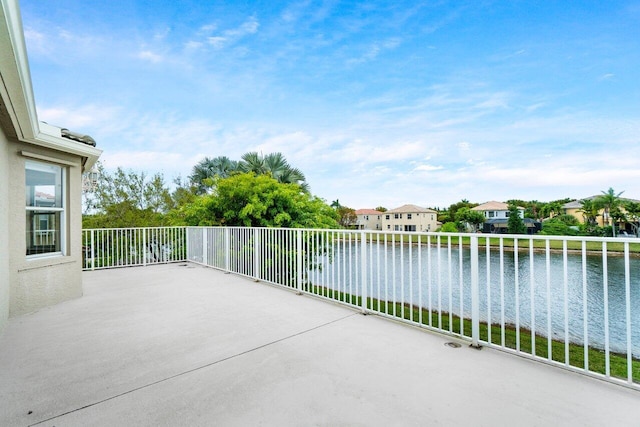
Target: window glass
(44, 208)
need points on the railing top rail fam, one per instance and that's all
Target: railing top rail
(629, 239)
(137, 228)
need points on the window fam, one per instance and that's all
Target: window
(366, 217)
(386, 216)
(397, 228)
(506, 214)
(388, 227)
(491, 214)
(45, 208)
(408, 216)
(396, 216)
(409, 228)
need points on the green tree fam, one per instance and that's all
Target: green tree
(449, 227)
(381, 209)
(251, 200)
(551, 209)
(347, 217)
(610, 202)
(515, 224)
(553, 227)
(469, 218)
(633, 215)
(464, 203)
(127, 199)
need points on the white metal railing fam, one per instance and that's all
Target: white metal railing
(124, 247)
(568, 301)
(572, 302)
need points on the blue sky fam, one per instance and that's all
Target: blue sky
(377, 102)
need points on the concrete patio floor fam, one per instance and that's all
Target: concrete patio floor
(182, 345)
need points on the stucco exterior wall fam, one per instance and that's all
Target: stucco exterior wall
(4, 229)
(423, 221)
(369, 222)
(576, 213)
(40, 282)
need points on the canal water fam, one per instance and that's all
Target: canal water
(438, 279)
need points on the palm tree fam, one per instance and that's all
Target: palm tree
(590, 211)
(252, 162)
(610, 202)
(275, 165)
(209, 168)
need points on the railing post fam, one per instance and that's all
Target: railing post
(299, 260)
(144, 246)
(256, 254)
(227, 248)
(363, 272)
(187, 252)
(205, 248)
(93, 250)
(475, 293)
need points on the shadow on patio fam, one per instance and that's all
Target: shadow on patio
(181, 344)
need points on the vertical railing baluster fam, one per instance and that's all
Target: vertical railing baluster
(565, 283)
(363, 272)
(256, 253)
(516, 269)
(605, 287)
(549, 330)
(475, 293)
(298, 252)
(627, 290)
(93, 249)
(532, 283)
(585, 312)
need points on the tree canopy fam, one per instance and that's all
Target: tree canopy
(515, 224)
(469, 218)
(126, 199)
(251, 200)
(273, 164)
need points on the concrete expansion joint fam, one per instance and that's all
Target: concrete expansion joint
(233, 356)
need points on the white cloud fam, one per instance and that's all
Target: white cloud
(217, 42)
(231, 36)
(372, 51)
(427, 168)
(150, 56)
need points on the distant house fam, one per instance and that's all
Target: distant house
(497, 218)
(496, 210)
(41, 170)
(575, 209)
(369, 219)
(501, 226)
(410, 218)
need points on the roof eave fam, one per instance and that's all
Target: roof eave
(16, 91)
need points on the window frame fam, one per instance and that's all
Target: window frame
(61, 212)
